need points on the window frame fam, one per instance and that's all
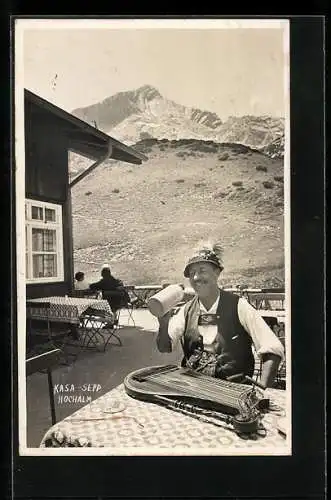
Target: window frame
(42, 224)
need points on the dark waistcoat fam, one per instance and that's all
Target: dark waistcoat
(233, 344)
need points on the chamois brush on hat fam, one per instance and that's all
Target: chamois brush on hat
(206, 252)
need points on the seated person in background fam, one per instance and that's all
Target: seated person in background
(80, 281)
(217, 328)
(112, 289)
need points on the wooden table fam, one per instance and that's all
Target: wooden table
(147, 428)
(65, 309)
(87, 328)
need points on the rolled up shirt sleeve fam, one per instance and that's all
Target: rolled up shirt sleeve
(264, 339)
(176, 327)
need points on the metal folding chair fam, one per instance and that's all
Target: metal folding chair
(44, 363)
(129, 307)
(90, 294)
(120, 300)
(97, 328)
(40, 312)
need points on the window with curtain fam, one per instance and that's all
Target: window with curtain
(43, 242)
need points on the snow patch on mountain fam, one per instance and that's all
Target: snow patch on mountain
(144, 113)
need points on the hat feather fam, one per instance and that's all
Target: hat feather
(211, 246)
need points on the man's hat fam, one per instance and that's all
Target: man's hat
(204, 255)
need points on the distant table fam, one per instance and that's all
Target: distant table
(142, 293)
(269, 313)
(66, 309)
(147, 425)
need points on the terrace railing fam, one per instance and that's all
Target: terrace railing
(270, 299)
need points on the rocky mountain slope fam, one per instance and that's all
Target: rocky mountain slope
(144, 113)
(144, 220)
(275, 149)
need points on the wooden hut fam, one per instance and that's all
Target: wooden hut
(50, 134)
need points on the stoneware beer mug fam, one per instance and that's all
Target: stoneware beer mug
(165, 300)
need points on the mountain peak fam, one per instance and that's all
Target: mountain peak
(147, 92)
(146, 87)
(142, 112)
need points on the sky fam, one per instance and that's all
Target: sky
(228, 70)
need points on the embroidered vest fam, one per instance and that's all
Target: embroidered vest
(233, 344)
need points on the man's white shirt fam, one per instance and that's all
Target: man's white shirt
(264, 339)
(82, 285)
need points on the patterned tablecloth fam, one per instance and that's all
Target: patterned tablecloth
(66, 309)
(150, 427)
